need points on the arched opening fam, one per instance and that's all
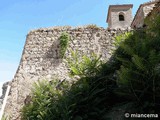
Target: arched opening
(121, 17)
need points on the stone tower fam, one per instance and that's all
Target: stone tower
(119, 16)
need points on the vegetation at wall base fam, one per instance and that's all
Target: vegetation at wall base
(47, 101)
(129, 81)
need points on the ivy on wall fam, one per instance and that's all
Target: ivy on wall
(64, 40)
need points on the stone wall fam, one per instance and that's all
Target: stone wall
(40, 58)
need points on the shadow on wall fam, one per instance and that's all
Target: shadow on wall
(52, 56)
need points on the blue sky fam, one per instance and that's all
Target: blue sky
(18, 17)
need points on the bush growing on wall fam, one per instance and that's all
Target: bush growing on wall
(64, 39)
(84, 66)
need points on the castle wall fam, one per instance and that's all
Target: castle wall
(41, 60)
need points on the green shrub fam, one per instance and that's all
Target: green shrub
(83, 66)
(47, 101)
(93, 26)
(139, 73)
(64, 39)
(121, 38)
(88, 96)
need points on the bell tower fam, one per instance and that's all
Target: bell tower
(119, 16)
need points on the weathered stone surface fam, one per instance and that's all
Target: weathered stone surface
(40, 58)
